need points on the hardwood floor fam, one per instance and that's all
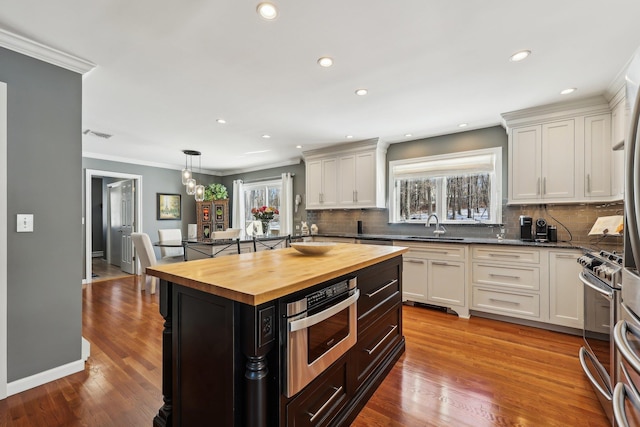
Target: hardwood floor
(455, 372)
(102, 270)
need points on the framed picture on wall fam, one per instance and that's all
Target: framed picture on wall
(168, 206)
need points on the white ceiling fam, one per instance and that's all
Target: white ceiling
(166, 70)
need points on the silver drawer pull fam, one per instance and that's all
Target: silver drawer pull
(505, 255)
(414, 261)
(503, 275)
(504, 301)
(440, 263)
(393, 282)
(313, 416)
(434, 252)
(393, 328)
(566, 256)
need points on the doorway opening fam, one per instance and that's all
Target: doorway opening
(124, 191)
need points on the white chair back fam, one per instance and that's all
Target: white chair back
(170, 234)
(146, 256)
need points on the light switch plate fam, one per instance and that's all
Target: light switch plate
(25, 223)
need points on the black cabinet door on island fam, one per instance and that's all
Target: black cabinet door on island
(224, 362)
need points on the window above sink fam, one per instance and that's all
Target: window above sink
(463, 187)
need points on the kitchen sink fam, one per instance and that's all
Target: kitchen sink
(432, 238)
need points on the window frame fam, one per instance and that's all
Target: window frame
(258, 184)
(441, 205)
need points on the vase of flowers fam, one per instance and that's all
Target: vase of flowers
(265, 215)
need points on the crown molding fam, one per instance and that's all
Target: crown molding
(44, 53)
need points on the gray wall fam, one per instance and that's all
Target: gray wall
(376, 221)
(298, 185)
(154, 180)
(44, 152)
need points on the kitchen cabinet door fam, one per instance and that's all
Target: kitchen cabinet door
(321, 183)
(525, 164)
(365, 179)
(619, 119)
(414, 279)
(347, 186)
(566, 293)
(597, 151)
(446, 283)
(558, 160)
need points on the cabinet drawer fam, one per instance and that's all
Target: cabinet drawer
(319, 402)
(506, 254)
(511, 303)
(440, 251)
(378, 285)
(517, 277)
(375, 342)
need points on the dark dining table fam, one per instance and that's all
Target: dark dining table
(212, 247)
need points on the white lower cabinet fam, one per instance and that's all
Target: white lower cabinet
(539, 284)
(566, 292)
(436, 274)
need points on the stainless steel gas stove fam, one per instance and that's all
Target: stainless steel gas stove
(602, 278)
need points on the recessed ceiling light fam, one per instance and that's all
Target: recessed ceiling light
(298, 146)
(348, 136)
(257, 152)
(265, 136)
(519, 56)
(408, 134)
(463, 125)
(221, 121)
(267, 11)
(361, 92)
(568, 91)
(325, 61)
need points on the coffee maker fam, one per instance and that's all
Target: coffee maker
(526, 224)
(541, 230)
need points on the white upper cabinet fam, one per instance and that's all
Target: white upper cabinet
(321, 182)
(357, 175)
(597, 156)
(561, 153)
(619, 127)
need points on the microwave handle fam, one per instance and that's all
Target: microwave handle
(608, 295)
(306, 322)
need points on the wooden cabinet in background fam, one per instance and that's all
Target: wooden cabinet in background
(212, 216)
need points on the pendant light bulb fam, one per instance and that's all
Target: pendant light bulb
(186, 175)
(191, 186)
(199, 193)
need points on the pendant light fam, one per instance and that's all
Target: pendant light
(187, 172)
(199, 190)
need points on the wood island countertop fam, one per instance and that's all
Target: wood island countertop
(258, 277)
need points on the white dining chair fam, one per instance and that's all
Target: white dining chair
(147, 257)
(175, 235)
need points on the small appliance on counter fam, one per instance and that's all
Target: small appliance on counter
(552, 231)
(542, 235)
(526, 224)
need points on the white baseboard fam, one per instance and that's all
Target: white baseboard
(97, 254)
(41, 378)
(86, 349)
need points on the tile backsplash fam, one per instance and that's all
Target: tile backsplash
(573, 223)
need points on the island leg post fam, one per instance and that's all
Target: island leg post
(164, 417)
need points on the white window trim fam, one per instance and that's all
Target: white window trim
(496, 188)
(258, 184)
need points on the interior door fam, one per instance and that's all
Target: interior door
(115, 224)
(127, 216)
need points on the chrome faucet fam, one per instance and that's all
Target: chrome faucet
(439, 228)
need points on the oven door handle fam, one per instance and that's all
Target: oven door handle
(584, 353)
(306, 322)
(620, 393)
(608, 295)
(622, 343)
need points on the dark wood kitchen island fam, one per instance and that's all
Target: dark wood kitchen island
(225, 333)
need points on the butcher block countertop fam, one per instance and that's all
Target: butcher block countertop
(258, 277)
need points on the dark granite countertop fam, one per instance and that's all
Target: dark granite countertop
(451, 239)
